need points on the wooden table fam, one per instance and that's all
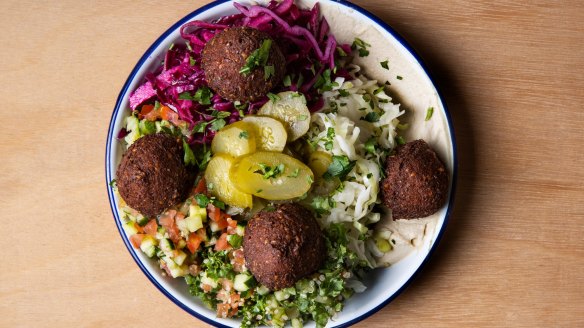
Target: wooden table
(512, 75)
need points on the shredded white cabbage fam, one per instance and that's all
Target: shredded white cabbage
(358, 121)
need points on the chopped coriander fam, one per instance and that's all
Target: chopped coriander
(309, 179)
(295, 173)
(429, 113)
(203, 157)
(202, 200)
(217, 124)
(371, 117)
(379, 90)
(269, 71)
(189, 156)
(387, 83)
(341, 52)
(369, 175)
(258, 58)
(202, 96)
(366, 97)
(322, 205)
(200, 127)
(400, 140)
(268, 172)
(323, 82)
(220, 114)
(385, 64)
(370, 145)
(399, 77)
(192, 61)
(273, 97)
(344, 93)
(340, 167)
(302, 117)
(112, 183)
(243, 135)
(361, 46)
(300, 81)
(259, 191)
(287, 81)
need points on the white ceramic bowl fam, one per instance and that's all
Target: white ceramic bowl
(415, 91)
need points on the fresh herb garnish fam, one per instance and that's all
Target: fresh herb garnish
(287, 81)
(330, 135)
(385, 64)
(189, 157)
(269, 172)
(361, 46)
(429, 113)
(273, 97)
(322, 205)
(340, 167)
(259, 58)
(400, 140)
(371, 117)
(217, 124)
(370, 145)
(243, 135)
(302, 117)
(295, 173)
(202, 96)
(203, 200)
(344, 93)
(324, 83)
(399, 77)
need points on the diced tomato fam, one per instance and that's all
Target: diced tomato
(201, 187)
(168, 114)
(231, 225)
(194, 241)
(151, 228)
(234, 300)
(167, 220)
(222, 244)
(145, 110)
(223, 310)
(213, 212)
(238, 261)
(138, 227)
(136, 240)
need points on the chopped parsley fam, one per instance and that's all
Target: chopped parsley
(302, 117)
(203, 200)
(429, 113)
(399, 77)
(385, 64)
(322, 205)
(361, 46)
(323, 82)
(340, 167)
(259, 58)
(400, 140)
(243, 135)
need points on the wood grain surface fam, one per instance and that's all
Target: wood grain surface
(512, 73)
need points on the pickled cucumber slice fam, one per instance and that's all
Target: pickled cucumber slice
(236, 139)
(290, 109)
(219, 183)
(270, 133)
(271, 175)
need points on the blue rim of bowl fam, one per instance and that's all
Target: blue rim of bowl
(110, 138)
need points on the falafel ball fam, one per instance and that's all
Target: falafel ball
(416, 183)
(226, 54)
(283, 246)
(152, 175)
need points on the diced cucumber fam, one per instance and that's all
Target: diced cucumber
(196, 210)
(208, 281)
(243, 282)
(297, 323)
(175, 269)
(130, 228)
(166, 245)
(132, 123)
(197, 216)
(284, 294)
(141, 220)
(234, 240)
(262, 290)
(240, 229)
(148, 246)
(180, 257)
